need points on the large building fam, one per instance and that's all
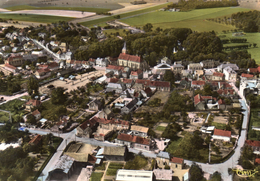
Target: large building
(134, 175)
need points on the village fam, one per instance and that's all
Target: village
(125, 118)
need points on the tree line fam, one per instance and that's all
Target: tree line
(234, 40)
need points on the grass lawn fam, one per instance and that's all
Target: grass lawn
(113, 167)
(101, 167)
(27, 7)
(13, 106)
(218, 125)
(251, 38)
(160, 128)
(173, 146)
(195, 19)
(51, 111)
(4, 117)
(34, 18)
(124, 15)
(96, 176)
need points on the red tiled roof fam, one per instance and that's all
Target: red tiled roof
(34, 102)
(92, 159)
(198, 82)
(10, 66)
(128, 57)
(148, 90)
(44, 66)
(53, 65)
(247, 75)
(134, 139)
(142, 81)
(220, 132)
(257, 160)
(258, 68)
(13, 56)
(138, 72)
(199, 98)
(253, 143)
(176, 160)
(160, 84)
(36, 112)
(113, 80)
(225, 91)
(253, 70)
(89, 123)
(36, 140)
(220, 101)
(43, 70)
(127, 81)
(114, 67)
(218, 74)
(122, 122)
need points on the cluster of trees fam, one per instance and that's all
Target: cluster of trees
(9, 133)
(238, 47)
(234, 40)
(196, 4)
(171, 131)
(254, 100)
(248, 21)
(246, 155)
(10, 84)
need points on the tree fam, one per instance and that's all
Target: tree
(58, 96)
(31, 119)
(148, 27)
(169, 76)
(33, 86)
(216, 176)
(196, 173)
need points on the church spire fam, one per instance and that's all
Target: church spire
(124, 49)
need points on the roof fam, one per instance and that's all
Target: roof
(127, 81)
(64, 163)
(198, 82)
(138, 72)
(257, 160)
(139, 128)
(10, 66)
(43, 70)
(253, 70)
(34, 102)
(247, 75)
(113, 80)
(160, 84)
(220, 101)
(219, 132)
(116, 151)
(218, 74)
(36, 112)
(36, 140)
(225, 91)
(253, 143)
(89, 123)
(198, 98)
(133, 139)
(176, 160)
(128, 57)
(162, 174)
(134, 175)
(114, 67)
(163, 154)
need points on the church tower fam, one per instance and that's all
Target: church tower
(124, 49)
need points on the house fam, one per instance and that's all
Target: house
(230, 74)
(161, 68)
(198, 84)
(134, 175)
(126, 72)
(162, 175)
(128, 83)
(177, 68)
(222, 135)
(43, 73)
(253, 70)
(113, 80)
(185, 83)
(115, 87)
(217, 76)
(162, 159)
(136, 74)
(176, 163)
(117, 70)
(139, 130)
(147, 92)
(206, 64)
(63, 169)
(221, 67)
(11, 68)
(195, 66)
(36, 140)
(106, 113)
(87, 128)
(204, 102)
(160, 86)
(132, 61)
(115, 153)
(112, 61)
(132, 141)
(198, 73)
(221, 104)
(101, 62)
(15, 60)
(31, 104)
(129, 107)
(36, 114)
(166, 60)
(95, 105)
(255, 145)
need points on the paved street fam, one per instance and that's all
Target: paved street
(9, 98)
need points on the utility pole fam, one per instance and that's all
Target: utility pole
(209, 152)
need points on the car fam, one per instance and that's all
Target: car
(50, 86)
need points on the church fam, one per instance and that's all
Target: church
(132, 61)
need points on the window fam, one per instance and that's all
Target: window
(176, 166)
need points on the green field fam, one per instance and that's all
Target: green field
(195, 19)
(218, 125)
(123, 15)
(251, 38)
(160, 128)
(34, 18)
(27, 7)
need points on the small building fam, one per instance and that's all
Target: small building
(129, 107)
(132, 61)
(115, 153)
(95, 105)
(247, 76)
(106, 113)
(15, 60)
(177, 68)
(87, 128)
(128, 83)
(195, 66)
(222, 135)
(217, 76)
(115, 87)
(162, 159)
(139, 130)
(136, 74)
(32, 103)
(230, 74)
(134, 175)
(176, 163)
(255, 145)
(206, 64)
(162, 175)
(11, 68)
(43, 73)
(198, 84)
(36, 114)
(36, 140)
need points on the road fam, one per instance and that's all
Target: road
(9, 98)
